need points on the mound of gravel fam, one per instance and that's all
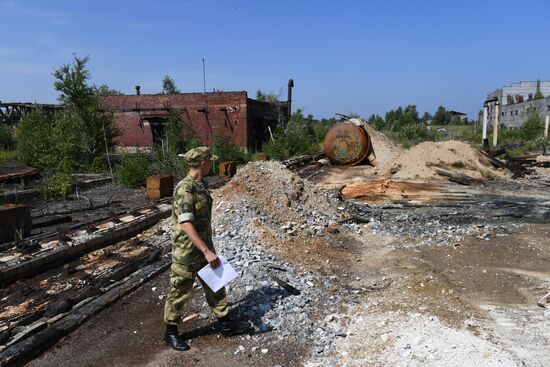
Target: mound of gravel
(279, 198)
(422, 161)
(267, 197)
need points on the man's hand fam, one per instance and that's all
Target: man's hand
(212, 259)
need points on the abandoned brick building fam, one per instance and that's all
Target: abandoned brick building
(142, 119)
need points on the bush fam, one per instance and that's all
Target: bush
(98, 166)
(132, 171)
(533, 127)
(178, 138)
(56, 186)
(35, 140)
(167, 162)
(297, 139)
(412, 134)
(226, 150)
(7, 137)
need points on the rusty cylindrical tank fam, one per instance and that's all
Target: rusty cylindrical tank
(347, 144)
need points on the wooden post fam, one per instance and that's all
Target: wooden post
(546, 122)
(495, 123)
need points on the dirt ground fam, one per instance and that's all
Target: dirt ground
(469, 302)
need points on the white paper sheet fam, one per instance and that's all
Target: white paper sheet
(217, 278)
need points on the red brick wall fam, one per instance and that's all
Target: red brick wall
(227, 115)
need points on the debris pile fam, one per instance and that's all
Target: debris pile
(279, 199)
(429, 160)
(265, 196)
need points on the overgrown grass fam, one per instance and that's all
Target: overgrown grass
(7, 156)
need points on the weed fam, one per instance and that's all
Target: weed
(7, 137)
(57, 185)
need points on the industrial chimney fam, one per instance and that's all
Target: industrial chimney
(137, 90)
(289, 99)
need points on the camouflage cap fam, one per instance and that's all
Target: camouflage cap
(198, 155)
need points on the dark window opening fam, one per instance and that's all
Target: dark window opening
(158, 127)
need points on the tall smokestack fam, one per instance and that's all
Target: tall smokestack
(137, 90)
(289, 99)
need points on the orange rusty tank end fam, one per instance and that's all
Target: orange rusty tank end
(346, 144)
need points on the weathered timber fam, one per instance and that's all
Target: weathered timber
(20, 353)
(65, 254)
(457, 177)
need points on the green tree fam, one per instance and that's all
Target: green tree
(169, 86)
(426, 117)
(441, 116)
(267, 97)
(104, 91)
(72, 84)
(71, 138)
(538, 93)
(376, 121)
(533, 127)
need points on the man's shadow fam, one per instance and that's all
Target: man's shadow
(251, 308)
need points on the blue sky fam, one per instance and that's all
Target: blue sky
(344, 56)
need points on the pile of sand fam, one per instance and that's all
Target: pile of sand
(422, 161)
(386, 150)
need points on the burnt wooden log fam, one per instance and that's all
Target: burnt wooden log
(457, 177)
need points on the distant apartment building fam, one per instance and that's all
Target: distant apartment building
(514, 100)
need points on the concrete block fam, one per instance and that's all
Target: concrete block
(14, 220)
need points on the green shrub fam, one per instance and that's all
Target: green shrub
(56, 186)
(7, 137)
(132, 170)
(167, 162)
(297, 139)
(72, 138)
(98, 166)
(226, 150)
(412, 134)
(533, 127)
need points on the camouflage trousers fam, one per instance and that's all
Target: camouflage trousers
(181, 290)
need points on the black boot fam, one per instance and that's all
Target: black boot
(230, 326)
(173, 339)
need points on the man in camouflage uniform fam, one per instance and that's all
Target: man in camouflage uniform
(193, 249)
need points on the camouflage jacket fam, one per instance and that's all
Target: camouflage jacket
(191, 204)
